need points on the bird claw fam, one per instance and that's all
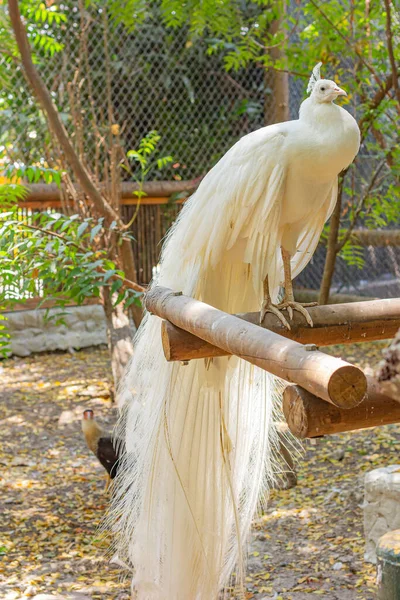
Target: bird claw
(301, 308)
(290, 306)
(274, 309)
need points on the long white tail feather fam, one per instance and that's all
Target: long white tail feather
(200, 438)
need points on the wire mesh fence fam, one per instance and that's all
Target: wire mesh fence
(156, 79)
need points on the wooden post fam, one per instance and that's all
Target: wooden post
(388, 571)
(329, 378)
(333, 324)
(308, 416)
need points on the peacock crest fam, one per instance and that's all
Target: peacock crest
(316, 76)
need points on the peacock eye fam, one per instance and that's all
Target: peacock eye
(322, 89)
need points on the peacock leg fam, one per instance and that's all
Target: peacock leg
(289, 302)
(268, 306)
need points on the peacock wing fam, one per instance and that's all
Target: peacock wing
(231, 216)
(309, 237)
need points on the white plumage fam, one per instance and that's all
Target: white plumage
(200, 438)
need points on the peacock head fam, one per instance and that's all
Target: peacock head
(323, 90)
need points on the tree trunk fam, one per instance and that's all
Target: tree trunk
(331, 252)
(276, 105)
(129, 268)
(119, 335)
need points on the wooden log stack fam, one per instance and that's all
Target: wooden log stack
(330, 378)
(329, 396)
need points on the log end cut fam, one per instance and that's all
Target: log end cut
(295, 415)
(347, 386)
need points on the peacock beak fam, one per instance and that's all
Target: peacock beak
(339, 91)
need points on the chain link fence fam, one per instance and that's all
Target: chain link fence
(154, 78)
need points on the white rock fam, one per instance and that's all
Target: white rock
(381, 506)
(30, 332)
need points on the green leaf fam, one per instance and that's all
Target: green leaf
(82, 227)
(108, 274)
(115, 286)
(95, 231)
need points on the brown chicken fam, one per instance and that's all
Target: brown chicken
(107, 450)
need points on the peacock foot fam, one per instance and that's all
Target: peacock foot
(269, 307)
(290, 306)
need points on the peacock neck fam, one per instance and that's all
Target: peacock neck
(319, 113)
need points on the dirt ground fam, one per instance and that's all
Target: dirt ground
(309, 542)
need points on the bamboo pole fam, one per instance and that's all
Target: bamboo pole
(333, 324)
(308, 416)
(329, 378)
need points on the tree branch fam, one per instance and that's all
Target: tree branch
(360, 205)
(127, 282)
(55, 123)
(349, 43)
(374, 103)
(389, 39)
(330, 258)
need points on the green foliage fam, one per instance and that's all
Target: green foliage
(32, 173)
(23, 128)
(53, 256)
(352, 252)
(351, 40)
(145, 158)
(40, 13)
(44, 23)
(222, 16)
(63, 258)
(10, 193)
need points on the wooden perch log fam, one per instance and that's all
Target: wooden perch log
(329, 378)
(50, 192)
(333, 324)
(308, 416)
(377, 237)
